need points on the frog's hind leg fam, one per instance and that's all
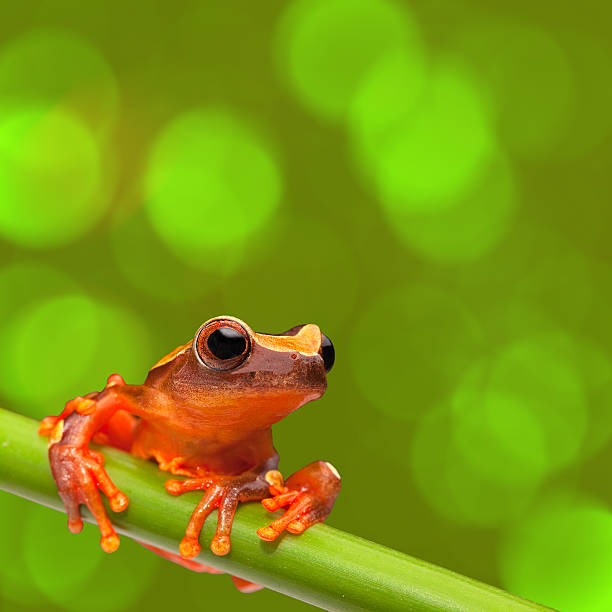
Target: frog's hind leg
(194, 566)
(244, 586)
(119, 432)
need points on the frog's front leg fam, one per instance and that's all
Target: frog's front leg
(224, 493)
(310, 494)
(79, 471)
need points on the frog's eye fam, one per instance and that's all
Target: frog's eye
(226, 343)
(222, 345)
(327, 352)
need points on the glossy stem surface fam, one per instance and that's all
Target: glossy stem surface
(326, 567)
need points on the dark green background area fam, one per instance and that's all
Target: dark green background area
(428, 181)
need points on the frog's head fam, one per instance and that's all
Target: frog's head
(243, 376)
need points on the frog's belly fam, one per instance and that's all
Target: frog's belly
(197, 458)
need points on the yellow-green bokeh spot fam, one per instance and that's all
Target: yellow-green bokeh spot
(58, 68)
(591, 370)
(467, 227)
(78, 570)
(549, 386)
(453, 485)
(212, 183)
(529, 79)
(24, 282)
(310, 282)
(327, 47)
(16, 583)
(79, 342)
(50, 177)
(152, 267)
(124, 347)
(561, 555)
(499, 434)
(387, 96)
(411, 347)
(75, 560)
(435, 151)
(63, 332)
(512, 421)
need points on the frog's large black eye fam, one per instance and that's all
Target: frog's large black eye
(327, 352)
(226, 343)
(222, 344)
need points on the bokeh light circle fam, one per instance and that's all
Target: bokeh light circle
(515, 418)
(467, 227)
(50, 177)
(67, 345)
(548, 385)
(60, 335)
(23, 282)
(73, 560)
(54, 67)
(422, 326)
(434, 152)
(498, 433)
(118, 570)
(327, 47)
(73, 572)
(125, 347)
(450, 482)
(330, 279)
(591, 368)
(153, 268)
(529, 78)
(15, 582)
(212, 182)
(561, 555)
(387, 96)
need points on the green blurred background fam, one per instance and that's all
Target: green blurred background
(429, 181)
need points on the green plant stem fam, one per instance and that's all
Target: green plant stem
(324, 566)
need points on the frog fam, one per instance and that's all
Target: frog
(204, 414)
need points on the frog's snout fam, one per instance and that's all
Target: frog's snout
(327, 352)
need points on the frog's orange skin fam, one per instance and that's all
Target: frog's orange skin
(205, 412)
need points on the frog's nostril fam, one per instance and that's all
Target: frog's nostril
(327, 352)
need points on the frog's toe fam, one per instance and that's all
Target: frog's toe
(220, 545)
(178, 487)
(303, 506)
(47, 425)
(189, 547)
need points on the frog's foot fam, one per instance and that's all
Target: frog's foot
(79, 473)
(221, 493)
(309, 494)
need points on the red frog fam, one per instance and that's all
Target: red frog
(205, 411)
